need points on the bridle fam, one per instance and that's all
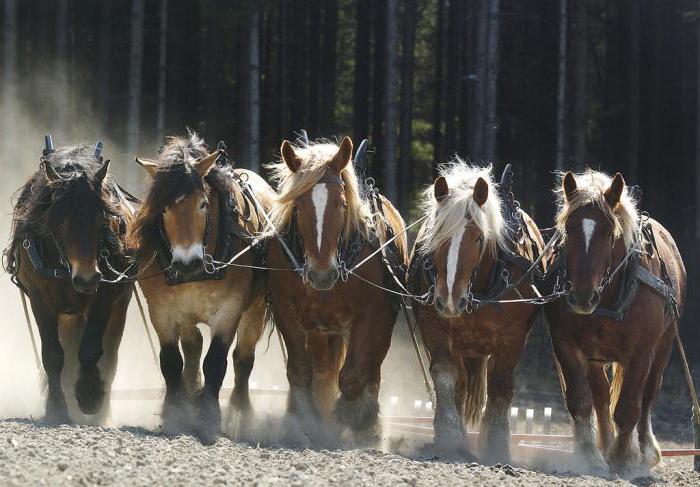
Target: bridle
(327, 178)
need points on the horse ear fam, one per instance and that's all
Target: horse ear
(290, 157)
(343, 156)
(150, 166)
(614, 192)
(204, 164)
(50, 171)
(569, 184)
(101, 173)
(440, 188)
(481, 191)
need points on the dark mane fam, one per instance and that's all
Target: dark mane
(74, 200)
(175, 178)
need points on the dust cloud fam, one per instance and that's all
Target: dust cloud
(35, 111)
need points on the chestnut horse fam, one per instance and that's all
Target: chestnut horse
(463, 251)
(195, 212)
(336, 327)
(608, 253)
(67, 244)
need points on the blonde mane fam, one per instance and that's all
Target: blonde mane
(590, 188)
(447, 216)
(292, 185)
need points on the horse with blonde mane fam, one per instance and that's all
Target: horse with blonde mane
(195, 216)
(627, 285)
(336, 325)
(467, 251)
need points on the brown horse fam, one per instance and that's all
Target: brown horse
(196, 214)
(67, 243)
(463, 251)
(337, 327)
(609, 253)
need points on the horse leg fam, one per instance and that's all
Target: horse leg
(495, 429)
(358, 404)
(90, 388)
(175, 415)
(600, 388)
(208, 425)
(52, 359)
(622, 456)
(446, 370)
(191, 341)
(249, 331)
(649, 448)
(326, 358)
(573, 367)
(110, 343)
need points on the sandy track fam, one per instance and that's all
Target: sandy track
(35, 454)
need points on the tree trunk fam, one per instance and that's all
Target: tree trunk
(633, 92)
(390, 102)
(313, 50)
(561, 86)
(328, 67)
(407, 68)
(452, 85)
(104, 62)
(135, 69)
(378, 88)
(162, 71)
(491, 88)
(363, 81)
(580, 78)
(9, 151)
(439, 87)
(481, 80)
(251, 141)
(62, 61)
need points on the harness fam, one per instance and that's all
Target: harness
(108, 247)
(632, 275)
(422, 266)
(229, 230)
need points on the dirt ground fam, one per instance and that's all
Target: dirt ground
(37, 454)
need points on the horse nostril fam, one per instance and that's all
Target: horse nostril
(439, 304)
(595, 299)
(463, 304)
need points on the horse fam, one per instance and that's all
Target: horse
(627, 285)
(466, 251)
(67, 254)
(336, 324)
(197, 215)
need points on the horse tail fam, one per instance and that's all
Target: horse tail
(476, 389)
(618, 375)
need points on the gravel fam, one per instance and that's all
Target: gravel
(37, 454)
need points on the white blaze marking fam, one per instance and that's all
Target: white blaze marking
(187, 254)
(452, 258)
(319, 195)
(588, 229)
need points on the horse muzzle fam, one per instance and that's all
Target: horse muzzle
(323, 280)
(583, 303)
(189, 268)
(448, 309)
(87, 284)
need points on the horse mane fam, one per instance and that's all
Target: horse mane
(291, 185)
(446, 216)
(41, 205)
(175, 178)
(590, 189)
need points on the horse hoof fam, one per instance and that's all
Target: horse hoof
(361, 414)
(57, 418)
(208, 425)
(89, 392)
(241, 402)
